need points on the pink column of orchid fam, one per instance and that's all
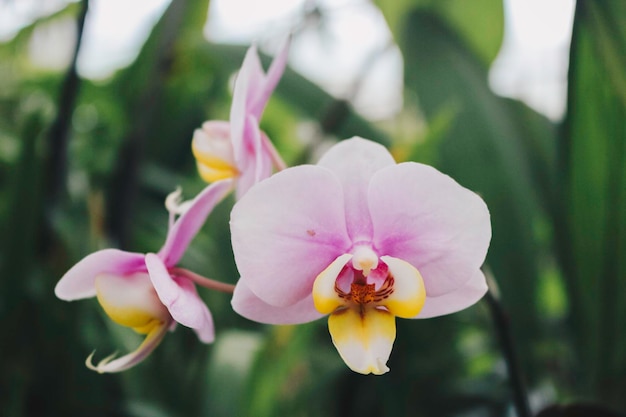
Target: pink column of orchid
(146, 292)
(362, 239)
(240, 149)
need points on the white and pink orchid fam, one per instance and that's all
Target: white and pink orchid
(239, 149)
(146, 292)
(362, 239)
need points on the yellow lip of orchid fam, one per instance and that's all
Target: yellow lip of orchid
(213, 150)
(131, 301)
(362, 319)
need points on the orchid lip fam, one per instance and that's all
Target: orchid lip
(150, 343)
(363, 304)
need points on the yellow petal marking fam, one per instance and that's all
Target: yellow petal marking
(364, 337)
(409, 293)
(213, 155)
(131, 301)
(210, 173)
(325, 297)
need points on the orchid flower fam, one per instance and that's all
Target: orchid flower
(239, 149)
(363, 240)
(146, 292)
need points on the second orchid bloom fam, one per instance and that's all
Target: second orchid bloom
(239, 149)
(146, 292)
(363, 240)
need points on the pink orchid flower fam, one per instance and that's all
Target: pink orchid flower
(145, 291)
(362, 239)
(240, 149)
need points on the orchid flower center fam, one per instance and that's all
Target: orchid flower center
(363, 293)
(364, 259)
(363, 297)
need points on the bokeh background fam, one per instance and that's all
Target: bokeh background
(526, 106)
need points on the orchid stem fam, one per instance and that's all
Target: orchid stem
(59, 133)
(203, 281)
(505, 338)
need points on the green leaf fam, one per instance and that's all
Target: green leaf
(592, 216)
(479, 22)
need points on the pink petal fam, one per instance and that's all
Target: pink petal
(258, 101)
(354, 161)
(79, 281)
(180, 297)
(459, 299)
(251, 78)
(248, 84)
(248, 305)
(188, 224)
(286, 230)
(427, 219)
(255, 164)
(206, 332)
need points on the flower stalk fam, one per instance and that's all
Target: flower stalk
(505, 338)
(204, 281)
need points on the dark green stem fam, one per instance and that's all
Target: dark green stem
(58, 136)
(505, 338)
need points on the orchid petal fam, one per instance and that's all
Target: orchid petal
(180, 297)
(252, 76)
(325, 296)
(354, 161)
(130, 300)
(272, 152)
(407, 298)
(286, 230)
(459, 299)
(187, 225)
(79, 281)
(246, 79)
(258, 101)
(364, 338)
(152, 340)
(206, 330)
(248, 305)
(428, 220)
(256, 164)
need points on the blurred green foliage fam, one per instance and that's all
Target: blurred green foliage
(557, 196)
